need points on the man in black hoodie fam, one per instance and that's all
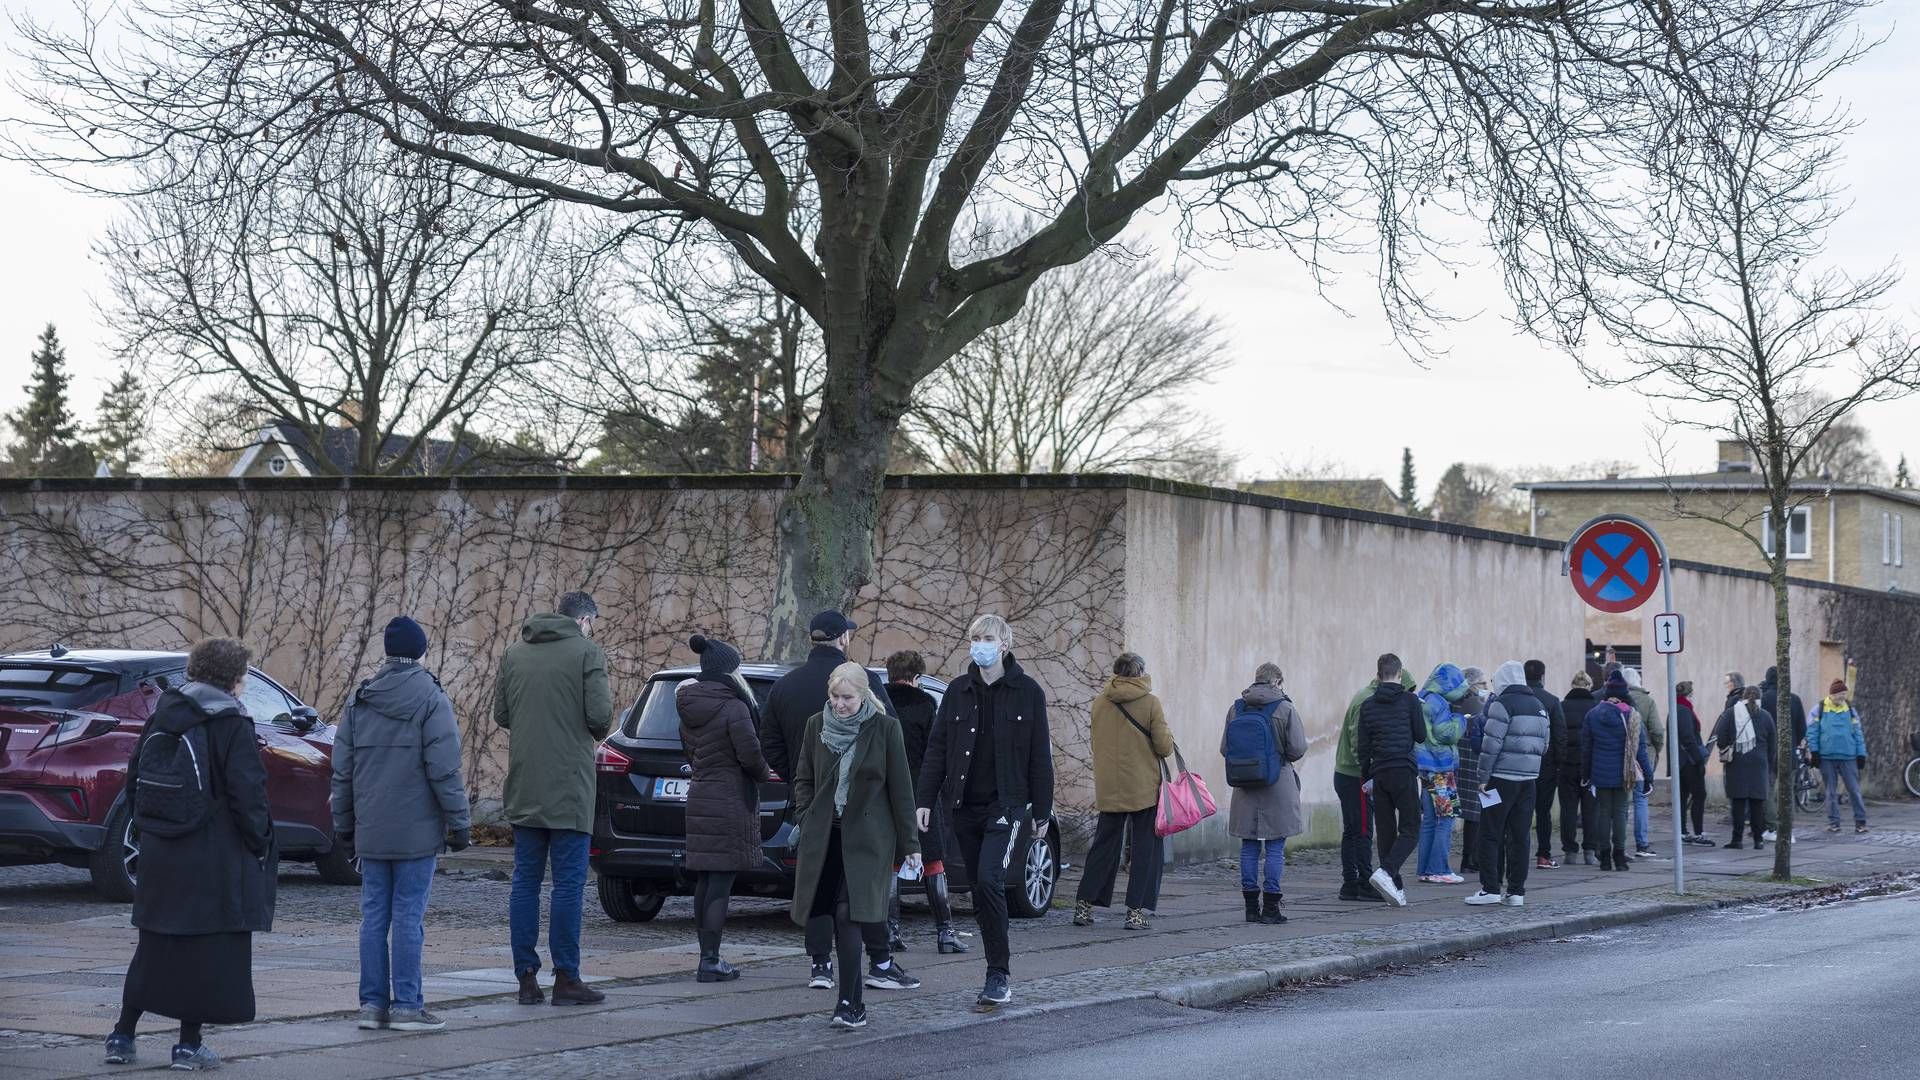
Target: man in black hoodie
(1797, 715)
(1391, 725)
(1576, 828)
(1549, 780)
(799, 696)
(990, 764)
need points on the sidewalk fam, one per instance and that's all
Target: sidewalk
(59, 980)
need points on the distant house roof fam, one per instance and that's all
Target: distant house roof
(1369, 494)
(1729, 480)
(340, 447)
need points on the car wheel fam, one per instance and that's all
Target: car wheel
(114, 865)
(625, 900)
(338, 866)
(1032, 896)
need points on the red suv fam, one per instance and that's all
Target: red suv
(68, 724)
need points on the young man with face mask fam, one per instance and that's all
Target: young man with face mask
(990, 763)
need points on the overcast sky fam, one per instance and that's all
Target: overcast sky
(1307, 385)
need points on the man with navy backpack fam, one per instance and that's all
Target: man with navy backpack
(1263, 738)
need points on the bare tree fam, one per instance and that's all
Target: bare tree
(1845, 454)
(336, 283)
(1720, 308)
(1090, 376)
(840, 151)
(1478, 495)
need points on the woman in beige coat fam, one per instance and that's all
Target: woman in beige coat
(1130, 737)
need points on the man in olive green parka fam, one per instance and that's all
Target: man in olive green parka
(553, 696)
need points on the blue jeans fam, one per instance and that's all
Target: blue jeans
(1250, 860)
(1436, 839)
(532, 849)
(1848, 770)
(1639, 818)
(393, 898)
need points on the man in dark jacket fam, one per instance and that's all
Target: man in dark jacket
(916, 708)
(1518, 736)
(1576, 829)
(553, 695)
(1796, 717)
(397, 799)
(990, 764)
(1391, 725)
(797, 697)
(1547, 784)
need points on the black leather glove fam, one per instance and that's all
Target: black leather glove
(1814, 759)
(1860, 762)
(459, 839)
(344, 840)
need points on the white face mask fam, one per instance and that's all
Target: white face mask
(985, 653)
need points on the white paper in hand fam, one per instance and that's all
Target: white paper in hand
(910, 870)
(1489, 797)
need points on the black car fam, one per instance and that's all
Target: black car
(640, 823)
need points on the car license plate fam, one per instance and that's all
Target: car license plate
(670, 789)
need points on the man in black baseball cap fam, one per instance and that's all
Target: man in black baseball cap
(798, 697)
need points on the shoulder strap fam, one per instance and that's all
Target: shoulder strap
(1136, 724)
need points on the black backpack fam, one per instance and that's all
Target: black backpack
(173, 796)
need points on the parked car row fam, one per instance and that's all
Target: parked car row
(69, 721)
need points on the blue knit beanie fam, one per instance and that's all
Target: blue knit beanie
(406, 639)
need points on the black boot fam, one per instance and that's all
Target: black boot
(1252, 897)
(712, 968)
(1620, 859)
(893, 916)
(942, 904)
(1270, 910)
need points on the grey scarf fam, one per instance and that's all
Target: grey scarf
(838, 733)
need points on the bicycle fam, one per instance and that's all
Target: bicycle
(1807, 782)
(1912, 774)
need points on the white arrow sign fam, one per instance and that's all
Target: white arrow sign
(1669, 634)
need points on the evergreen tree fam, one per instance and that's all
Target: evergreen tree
(119, 431)
(1409, 491)
(45, 441)
(1901, 477)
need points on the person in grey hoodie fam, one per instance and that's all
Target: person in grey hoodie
(398, 798)
(1518, 737)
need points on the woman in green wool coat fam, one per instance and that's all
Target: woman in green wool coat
(853, 801)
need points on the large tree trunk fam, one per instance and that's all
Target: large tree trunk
(827, 522)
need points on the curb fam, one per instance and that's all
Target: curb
(1218, 990)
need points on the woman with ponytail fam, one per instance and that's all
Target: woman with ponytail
(718, 730)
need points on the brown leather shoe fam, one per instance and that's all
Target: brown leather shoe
(530, 989)
(569, 990)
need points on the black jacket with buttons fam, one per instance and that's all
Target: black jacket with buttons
(1023, 744)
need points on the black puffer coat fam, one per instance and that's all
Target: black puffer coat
(915, 707)
(723, 807)
(1391, 725)
(220, 879)
(1573, 716)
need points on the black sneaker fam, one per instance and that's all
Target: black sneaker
(849, 1016)
(822, 978)
(996, 992)
(891, 977)
(414, 1020)
(119, 1049)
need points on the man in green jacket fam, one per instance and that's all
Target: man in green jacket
(1356, 837)
(553, 696)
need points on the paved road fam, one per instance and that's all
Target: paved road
(1742, 994)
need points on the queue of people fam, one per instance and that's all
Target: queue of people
(882, 776)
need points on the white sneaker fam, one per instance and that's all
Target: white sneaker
(1514, 901)
(1769, 837)
(1452, 879)
(1382, 883)
(1483, 898)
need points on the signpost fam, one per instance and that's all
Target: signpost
(1616, 563)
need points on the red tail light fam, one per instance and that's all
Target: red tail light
(608, 760)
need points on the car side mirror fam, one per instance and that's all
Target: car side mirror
(304, 719)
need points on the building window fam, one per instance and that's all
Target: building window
(1886, 539)
(1799, 532)
(1898, 557)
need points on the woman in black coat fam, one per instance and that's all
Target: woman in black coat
(1747, 732)
(1693, 768)
(719, 733)
(916, 707)
(200, 896)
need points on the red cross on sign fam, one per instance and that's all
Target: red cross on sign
(1614, 564)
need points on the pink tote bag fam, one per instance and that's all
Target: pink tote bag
(1184, 798)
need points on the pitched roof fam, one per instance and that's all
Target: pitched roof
(1371, 493)
(1726, 480)
(434, 457)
